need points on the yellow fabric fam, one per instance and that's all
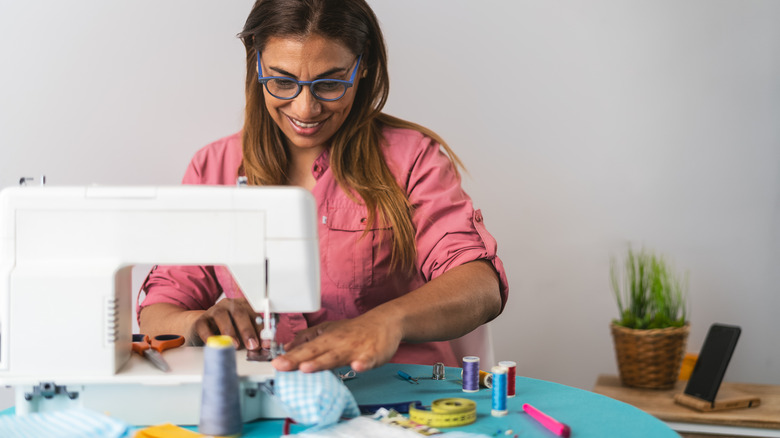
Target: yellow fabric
(166, 431)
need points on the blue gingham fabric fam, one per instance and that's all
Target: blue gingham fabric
(70, 423)
(318, 399)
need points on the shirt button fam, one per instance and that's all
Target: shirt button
(362, 220)
(316, 167)
(478, 218)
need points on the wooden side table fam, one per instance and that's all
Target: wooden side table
(761, 421)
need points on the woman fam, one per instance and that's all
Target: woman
(406, 262)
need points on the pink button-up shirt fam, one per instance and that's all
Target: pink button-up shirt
(355, 275)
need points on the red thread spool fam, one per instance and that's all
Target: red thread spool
(510, 377)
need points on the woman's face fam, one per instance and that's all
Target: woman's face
(308, 123)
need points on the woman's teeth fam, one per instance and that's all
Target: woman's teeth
(303, 124)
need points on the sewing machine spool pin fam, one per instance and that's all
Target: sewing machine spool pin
(25, 179)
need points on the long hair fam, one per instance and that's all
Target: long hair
(356, 158)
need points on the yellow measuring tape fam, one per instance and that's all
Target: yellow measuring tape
(445, 412)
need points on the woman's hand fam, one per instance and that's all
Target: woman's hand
(446, 307)
(365, 342)
(232, 317)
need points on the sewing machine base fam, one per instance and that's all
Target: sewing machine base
(142, 395)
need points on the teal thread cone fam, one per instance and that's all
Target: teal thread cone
(220, 408)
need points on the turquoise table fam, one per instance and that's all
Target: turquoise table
(587, 414)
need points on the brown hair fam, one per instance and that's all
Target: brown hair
(356, 158)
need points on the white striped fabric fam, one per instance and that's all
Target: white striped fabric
(68, 423)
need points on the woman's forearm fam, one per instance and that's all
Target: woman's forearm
(449, 306)
(163, 318)
(232, 317)
(445, 308)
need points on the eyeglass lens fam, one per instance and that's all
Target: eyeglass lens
(286, 88)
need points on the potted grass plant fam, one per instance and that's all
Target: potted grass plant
(652, 329)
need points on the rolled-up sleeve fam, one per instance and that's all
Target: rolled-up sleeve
(450, 232)
(189, 287)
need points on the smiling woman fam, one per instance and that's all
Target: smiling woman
(406, 261)
(307, 120)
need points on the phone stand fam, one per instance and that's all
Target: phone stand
(702, 391)
(726, 399)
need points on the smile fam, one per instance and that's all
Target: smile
(304, 124)
(306, 129)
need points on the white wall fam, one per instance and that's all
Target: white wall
(587, 125)
(118, 92)
(584, 125)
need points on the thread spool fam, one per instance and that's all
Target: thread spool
(498, 407)
(220, 410)
(470, 374)
(511, 366)
(485, 378)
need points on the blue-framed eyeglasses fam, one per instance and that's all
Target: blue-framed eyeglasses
(286, 88)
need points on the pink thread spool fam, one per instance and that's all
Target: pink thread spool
(510, 384)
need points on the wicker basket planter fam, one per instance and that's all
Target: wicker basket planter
(649, 358)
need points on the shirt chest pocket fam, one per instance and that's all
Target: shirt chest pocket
(353, 259)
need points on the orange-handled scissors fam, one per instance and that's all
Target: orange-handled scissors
(151, 348)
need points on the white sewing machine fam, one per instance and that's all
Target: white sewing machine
(66, 311)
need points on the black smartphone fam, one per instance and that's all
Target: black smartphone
(713, 360)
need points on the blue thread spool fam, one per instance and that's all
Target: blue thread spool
(220, 409)
(499, 408)
(470, 374)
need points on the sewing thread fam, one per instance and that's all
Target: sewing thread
(470, 374)
(220, 410)
(498, 406)
(511, 366)
(485, 378)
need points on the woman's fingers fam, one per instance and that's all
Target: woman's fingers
(230, 317)
(359, 342)
(244, 321)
